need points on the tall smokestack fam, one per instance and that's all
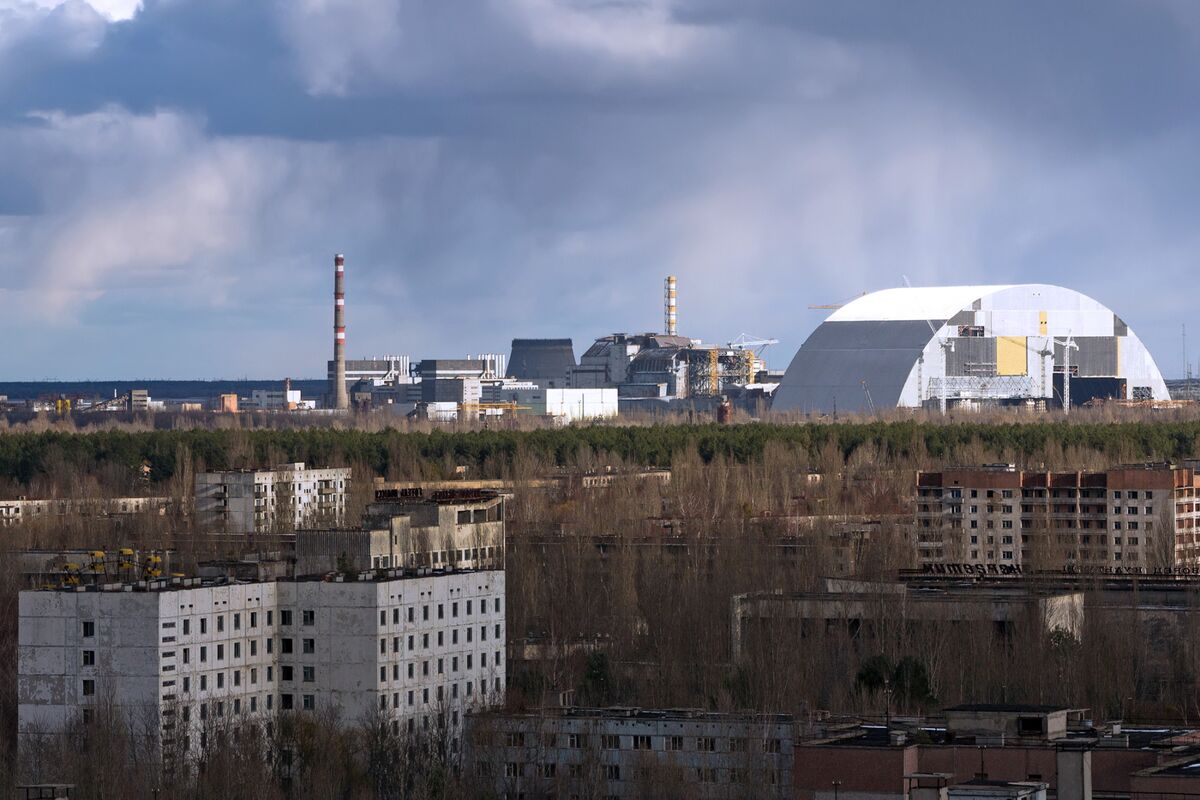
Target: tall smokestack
(340, 399)
(669, 310)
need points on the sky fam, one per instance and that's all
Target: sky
(176, 175)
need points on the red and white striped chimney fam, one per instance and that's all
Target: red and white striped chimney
(341, 399)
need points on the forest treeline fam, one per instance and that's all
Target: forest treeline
(28, 456)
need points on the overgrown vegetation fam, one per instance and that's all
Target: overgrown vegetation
(623, 593)
(29, 458)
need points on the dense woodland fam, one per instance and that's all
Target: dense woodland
(32, 460)
(623, 593)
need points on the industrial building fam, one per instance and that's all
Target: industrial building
(287, 497)
(382, 369)
(968, 347)
(283, 399)
(630, 752)
(654, 365)
(656, 372)
(459, 529)
(564, 405)
(647, 372)
(1129, 517)
(474, 388)
(545, 362)
(177, 656)
(866, 611)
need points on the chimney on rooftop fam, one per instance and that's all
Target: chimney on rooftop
(337, 392)
(1074, 768)
(669, 306)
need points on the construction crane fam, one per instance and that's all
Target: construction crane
(754, 347)
(745, 341)
(1068, 345)
(834, 306)
(1047, 349)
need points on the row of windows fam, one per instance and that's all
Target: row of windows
(1069, 524)
(614, 741)
(1028, 509)
(441, 611)
(1086, 538)
(440, 638)
(439, 695)
(1082, 555)
(308, 675)
(441, 666)
(1130, 494)
(308, 619)
(614, 772)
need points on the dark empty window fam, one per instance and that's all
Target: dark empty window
(1030, 726)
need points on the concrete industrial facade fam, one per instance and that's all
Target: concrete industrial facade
(577, 752)
(1132, 517)
(866, 611)
(169, 656)
(268, 500)
(968, 346)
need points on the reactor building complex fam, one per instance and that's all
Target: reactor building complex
(969, 347)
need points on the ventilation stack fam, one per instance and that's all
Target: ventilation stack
(669, 309)
(340, 399)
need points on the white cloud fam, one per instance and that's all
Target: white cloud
(113, 10)
(641, 32)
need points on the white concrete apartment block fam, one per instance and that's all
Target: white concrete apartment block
(287, 497)
(420, 649)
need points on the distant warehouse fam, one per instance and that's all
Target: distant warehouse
(968, 346)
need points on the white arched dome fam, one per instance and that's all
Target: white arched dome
(992, 344)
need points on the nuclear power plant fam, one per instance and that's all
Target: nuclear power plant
(1034, 346)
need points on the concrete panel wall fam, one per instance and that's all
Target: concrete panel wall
(1012, 355)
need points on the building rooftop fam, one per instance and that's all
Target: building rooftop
(178, 583)
(673, 714)
(416, 496)
(1006, 708)
(1187, 767)
(294, 467)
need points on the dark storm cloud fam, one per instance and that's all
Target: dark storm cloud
(533, 167)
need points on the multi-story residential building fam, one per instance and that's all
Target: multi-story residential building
(626, 752)
(1137, 518)
(417, 647)
(24, 509)
(463, 529)
(285, 498)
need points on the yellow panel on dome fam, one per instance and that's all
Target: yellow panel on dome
(1012, 357)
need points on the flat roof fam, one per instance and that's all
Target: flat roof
(1188, 767)
(196, 582)
(444, 497)
(650, 714)
(1006, 708)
